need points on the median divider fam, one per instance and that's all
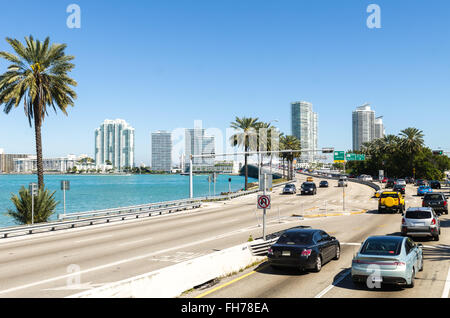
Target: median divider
(172, 281)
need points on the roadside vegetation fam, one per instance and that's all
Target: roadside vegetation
(44, 206)
(402, 155)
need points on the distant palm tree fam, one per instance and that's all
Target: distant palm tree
(291, 143)
(245, 136)
(411, 143)
(38, 76)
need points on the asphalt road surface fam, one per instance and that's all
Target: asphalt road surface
(334, 280)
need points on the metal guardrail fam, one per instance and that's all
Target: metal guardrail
(59, 225)
(71, 220)
(367, 183)
(260, 249)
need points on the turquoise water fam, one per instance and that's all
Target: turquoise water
(91, 192)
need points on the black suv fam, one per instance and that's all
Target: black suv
(437, 201)
(435, 184)
(323, 184)
(309, 188)
(390, 183)
(399, 188)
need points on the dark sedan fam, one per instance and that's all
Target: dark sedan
(309, 188)
(304, 249)
(399, 188)
(434, 184)
(323, 184)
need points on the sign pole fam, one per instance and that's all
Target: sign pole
(264, 213)
(343, 191)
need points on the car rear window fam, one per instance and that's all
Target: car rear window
(418, 215)
(433, 197)
(295, 238)
(381, 247)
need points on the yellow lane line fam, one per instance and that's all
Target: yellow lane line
(227, 284)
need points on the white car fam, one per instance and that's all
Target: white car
(401, 182)
(365, 177)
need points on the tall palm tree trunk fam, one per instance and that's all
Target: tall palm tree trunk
(37, 131)
(246, 168)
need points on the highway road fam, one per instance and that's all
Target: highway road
(334, 280)
(66, 262)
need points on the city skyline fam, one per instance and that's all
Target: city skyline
(224, 70)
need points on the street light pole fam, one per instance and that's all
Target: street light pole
(191, 188)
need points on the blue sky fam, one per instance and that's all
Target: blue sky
(160, 65)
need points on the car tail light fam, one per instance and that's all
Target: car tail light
(423, 203)
(403, 221)
(399, 264)
(433, 222)
(270, 251)
(445, 203)
(306, 252)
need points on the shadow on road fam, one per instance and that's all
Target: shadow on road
(437, 253)
(265, 268)
(347, 283)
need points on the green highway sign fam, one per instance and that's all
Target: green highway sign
(360, 157)
(339, 156)
(350, 157)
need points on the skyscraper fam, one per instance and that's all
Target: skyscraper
(162, 151)
(198, 143)
(363, 125)
(379, 128)
(304, 125)
(114, 142)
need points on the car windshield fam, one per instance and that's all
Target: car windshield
(295, 238)
(307, 185)
(433, 197)
(389, 195)
(381, 247)
(418, 215)
(289, 186)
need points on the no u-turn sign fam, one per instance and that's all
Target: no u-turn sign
(263, 201)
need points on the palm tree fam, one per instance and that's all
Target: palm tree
(245, 136)
(411, 143)
(38, 76)
(291, 143)
(44, 206)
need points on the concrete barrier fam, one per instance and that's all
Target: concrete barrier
(173, 280)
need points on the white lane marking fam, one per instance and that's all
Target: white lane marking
(446, 291)
(128, 260)
(93, 238)
(134, 242)
(326, 290)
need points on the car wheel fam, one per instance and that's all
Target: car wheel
(436, 237)
(421, 264)
(318, 265)
(338, 253)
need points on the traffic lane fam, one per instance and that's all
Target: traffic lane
(101, 247)
(334, 280)
(266, 282)
(99, 251)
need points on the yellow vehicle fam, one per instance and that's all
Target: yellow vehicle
(391, 201)
(309, 179)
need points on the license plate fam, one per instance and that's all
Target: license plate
(286, 253)
(419, 224)
(382, 206)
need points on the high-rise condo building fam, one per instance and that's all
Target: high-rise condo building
(304, 125)
(162, 151)
(198, 143)
(379, 128)
(363, 125)
(114, 142)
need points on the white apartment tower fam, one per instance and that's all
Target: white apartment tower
(379, 128)
(198, 143)
(304, 126)
(114, 142)
(363, 125)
